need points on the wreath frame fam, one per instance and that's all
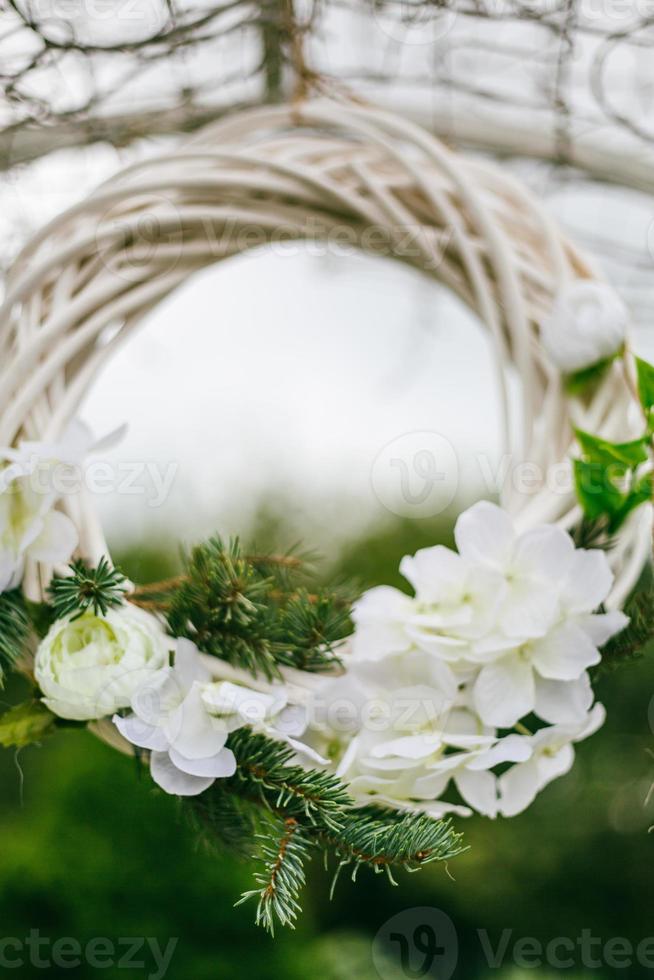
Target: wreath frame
(85, 281)
(316, 170)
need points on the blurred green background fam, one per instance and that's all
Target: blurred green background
(90, 849)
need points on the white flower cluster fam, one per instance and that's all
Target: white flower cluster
(485, 667)
(92, 667)
(439, 684)
(183, 715)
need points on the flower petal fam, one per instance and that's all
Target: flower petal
(518, 788)
(220, 765)
(529, 610)
(504, 691)
(589, 581)
(564, 654)
(57, 540)
(511, 748)
(596, 718)
(140, 733)
(484, 533)
(408, 747)
(188, 663)
(602, 626)
(553, 765)
(479, 790)
(544, 553)
(436, 574)
(191, 731)
(563, 702)
(11, 570)
(171, 779)
(379, 617)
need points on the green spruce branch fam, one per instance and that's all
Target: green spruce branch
(98, 589)
(15, 628)
(297, 811)
(282, 876)
(630, 644)
(255, 612)
(387, 840)
(265, 774)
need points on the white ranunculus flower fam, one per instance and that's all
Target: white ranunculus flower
(90, 666)
(588, 323)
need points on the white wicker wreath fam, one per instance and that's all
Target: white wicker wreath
(86, 281)
(506, 627)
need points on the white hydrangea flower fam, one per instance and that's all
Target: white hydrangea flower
(588, 323)
(183, 717)
(531, 565)
(400, 731)
(552, 755)
(512, 617)
(516, 609)
(90, 666)
(531, 662)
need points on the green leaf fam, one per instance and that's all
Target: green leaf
(641, 492)
(596, 493)
(645, 374)
(606, 478)
(626, 454)
(601, 498)
(25, 724)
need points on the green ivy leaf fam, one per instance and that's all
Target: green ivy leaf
(645, 373)
(628, 455)
(641, 492)
(25, 724)
(596, 493)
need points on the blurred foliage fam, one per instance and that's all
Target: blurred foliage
(91, 849)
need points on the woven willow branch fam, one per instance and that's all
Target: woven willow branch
(319, 171)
